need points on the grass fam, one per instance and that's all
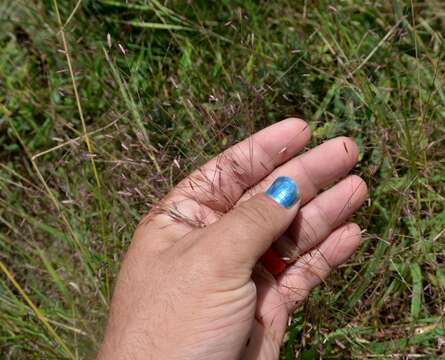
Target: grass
(105, 108)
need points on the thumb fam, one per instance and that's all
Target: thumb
(244, 234)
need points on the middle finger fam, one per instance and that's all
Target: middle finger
(315, 169)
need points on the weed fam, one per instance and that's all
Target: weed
(105, 108)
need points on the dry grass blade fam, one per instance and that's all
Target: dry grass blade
(157, 26)
(185, 82)
(36, 310)
(89, 144)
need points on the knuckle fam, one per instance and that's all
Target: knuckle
(315, 269)
(320, 214)
(314, 226)
(258, 215)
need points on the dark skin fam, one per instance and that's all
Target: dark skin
(191, 286)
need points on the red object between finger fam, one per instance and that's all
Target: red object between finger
(273, 262)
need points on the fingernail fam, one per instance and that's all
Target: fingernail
(284, 191)
(273, 263)
(287, 249)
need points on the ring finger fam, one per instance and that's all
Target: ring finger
(318, 218)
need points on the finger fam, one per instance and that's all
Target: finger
(300, 278)
(271, 310)
(220, 182)
(318, 218)
(242, 235)
(262, 344)
(315, 169)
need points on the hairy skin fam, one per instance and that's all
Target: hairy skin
(190, 286)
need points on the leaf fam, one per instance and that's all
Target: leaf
(416, 301)
(441, 278)
(158, 26)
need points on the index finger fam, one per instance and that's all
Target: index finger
(220, 183)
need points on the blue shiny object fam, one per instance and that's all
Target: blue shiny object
(284, 191)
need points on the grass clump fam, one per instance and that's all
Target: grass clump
(163, 86)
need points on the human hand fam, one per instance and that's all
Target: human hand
(191, 287)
